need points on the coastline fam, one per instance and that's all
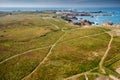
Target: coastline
(94, 16)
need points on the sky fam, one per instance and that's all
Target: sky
(59, 3)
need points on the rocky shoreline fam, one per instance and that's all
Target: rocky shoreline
(71, 16)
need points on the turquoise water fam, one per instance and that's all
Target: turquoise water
(115, 12)
(101, 19)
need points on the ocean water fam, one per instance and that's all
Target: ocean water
(114, 15)
(114, 12)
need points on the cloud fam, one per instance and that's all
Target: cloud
(71, 3)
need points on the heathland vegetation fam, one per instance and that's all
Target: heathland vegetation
(35, 46)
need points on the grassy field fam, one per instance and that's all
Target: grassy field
(27, 39)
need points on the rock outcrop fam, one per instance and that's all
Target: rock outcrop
(84, 23)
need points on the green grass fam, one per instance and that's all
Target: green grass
(23, 20)
(70, 56)
(23, 34)
(115, 48)
(92, 77)
(10, 48)
(81, 78)
(115, 65)
(83, 32)
(17, 68)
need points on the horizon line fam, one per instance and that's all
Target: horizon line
(57, 7)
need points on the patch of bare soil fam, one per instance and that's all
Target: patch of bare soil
(95, 54)
(116, 32)
(113, 77)
(102, 78)
(118, 70)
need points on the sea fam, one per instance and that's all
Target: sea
(99, 19)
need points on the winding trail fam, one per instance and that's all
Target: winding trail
(49, 53)
(92, 35)
(87, 72)
(56, 26)
(23, 53)
(100, 64)
(78, 75)
(86, 78)
(113, 77)
(75, 76)
(105, 55)
(49, 46)
(45, 59)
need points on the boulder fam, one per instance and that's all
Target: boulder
(86, 22)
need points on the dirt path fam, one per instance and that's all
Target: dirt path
(45, 59)
(105, 55)
(87, 72)
(23, 53)
(47, 46)
(74, 77)
(83, 37)
(118, 70)
(55, 26)
(101, 62)
(113, 77)
(78, 75)
(49, 53)
(86, 78)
